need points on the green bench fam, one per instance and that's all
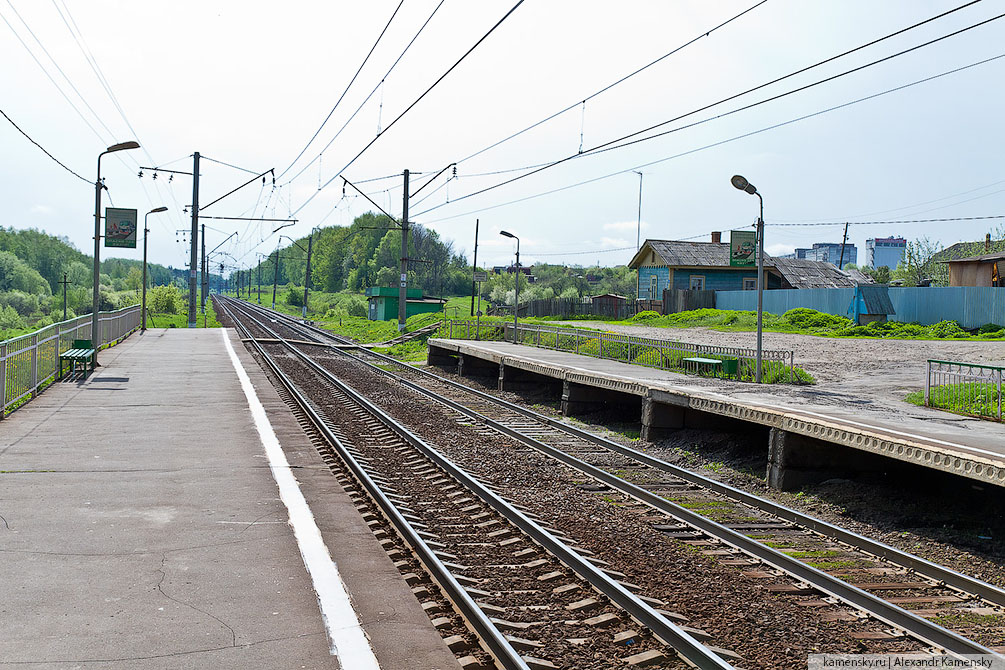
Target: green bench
(81, 352)
(698, 365)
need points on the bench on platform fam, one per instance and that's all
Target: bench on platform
(81, 352)
(698, 365)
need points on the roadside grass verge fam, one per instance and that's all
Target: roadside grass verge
(971, 398)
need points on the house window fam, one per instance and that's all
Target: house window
(697, 283)
(749, 283)
(653, 285)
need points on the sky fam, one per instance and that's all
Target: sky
(248, 83)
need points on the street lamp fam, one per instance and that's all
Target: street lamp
(146, 231)
(638, 233)
(516, 299)
(95, 295)
(745, 186)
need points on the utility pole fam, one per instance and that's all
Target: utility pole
(275, 278)
(403, 289)
(65, 282)
(259, 282)
(307, 273)
(474, 269)
(194, 250)
(205, 269)
(843, 241)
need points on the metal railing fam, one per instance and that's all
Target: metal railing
(965, 388)
(29, 363)
(778, 366)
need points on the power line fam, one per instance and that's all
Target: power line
(414, 103)
(367, 99)
(721, 142)
(612, 84)
(213, 160)
(888, 223)
(58, 162)
(348, 86)
(621, 142)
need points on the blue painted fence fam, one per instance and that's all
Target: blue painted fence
(970, 306)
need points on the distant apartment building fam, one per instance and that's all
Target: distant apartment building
(888, 251)
(829, 252)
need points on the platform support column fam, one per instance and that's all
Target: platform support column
(581, 399)
(660, 419)
(796, 460)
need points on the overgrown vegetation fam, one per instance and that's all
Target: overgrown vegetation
(811, 322)
(972, 398)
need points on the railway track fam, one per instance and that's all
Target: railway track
(824, 563)
(476, 549)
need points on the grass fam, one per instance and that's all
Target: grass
(181, 320)
(814, 553)
(804, 321)
(972, 398)
(833, 565)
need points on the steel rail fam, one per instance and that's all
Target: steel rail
(896, 616)
(899, 557)
(492, 640)
(669, 633)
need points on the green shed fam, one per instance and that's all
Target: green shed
(383, 303)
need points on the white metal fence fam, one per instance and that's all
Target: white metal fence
(30, 362)
(965, 388)
(777, 366)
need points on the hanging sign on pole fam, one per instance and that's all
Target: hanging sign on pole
(742, 244)
(120, 227)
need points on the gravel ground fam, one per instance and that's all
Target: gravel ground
(767, 630)
(873, 373)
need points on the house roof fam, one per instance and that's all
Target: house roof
(799, 272)
(983, 258)
(693, 254)
(803, 273)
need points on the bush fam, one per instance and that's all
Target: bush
(22, 303)
(294, 296)
(164, 299)
(10, 319)
(646, 315)
(802, 317)
(945, 330)
(990, 328)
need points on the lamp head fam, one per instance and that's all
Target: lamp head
(159, 209)
(122, 146)
(505, 234)
(742, 184)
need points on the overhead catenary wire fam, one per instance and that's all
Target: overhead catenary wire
(414, 103)
(889, 223)
(348, 86)
(380, 86)
(44, 150)
(612, 84)
(625, 140)
(719, 142)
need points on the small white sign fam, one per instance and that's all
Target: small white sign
(402, 284)
(481, 276)
(404, 278)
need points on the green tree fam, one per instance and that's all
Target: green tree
(918, 262)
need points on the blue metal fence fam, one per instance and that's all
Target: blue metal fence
(970, 306)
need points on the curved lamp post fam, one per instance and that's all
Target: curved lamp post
(95, 295)
(745, 186)
(516, 299)
(146, 231)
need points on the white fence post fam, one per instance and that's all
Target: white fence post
(3, 381)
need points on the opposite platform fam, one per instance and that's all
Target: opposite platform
(142, 527)
(797, 415)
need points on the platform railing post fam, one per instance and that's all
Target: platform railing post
(3, 381)
(928, 382)
(34, 365)
(1000, 403)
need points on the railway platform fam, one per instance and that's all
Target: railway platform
(169, 512)
(811, 437)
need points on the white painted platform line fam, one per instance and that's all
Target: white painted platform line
(345, 634)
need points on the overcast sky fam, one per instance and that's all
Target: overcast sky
(249, 82)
